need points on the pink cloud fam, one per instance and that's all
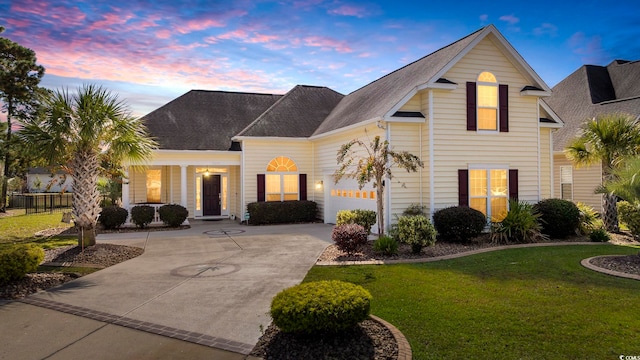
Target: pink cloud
(111, 22)
(349, 10)
(19, 22)
(163, 34)
(325, 43)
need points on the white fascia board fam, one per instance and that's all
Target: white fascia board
(269, 138)
(550, 125)
(538, 93)
(438, 86)
(417, 120)
(551, 113)
(346, 128)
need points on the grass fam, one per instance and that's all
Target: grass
(18, 228)
(531, 303)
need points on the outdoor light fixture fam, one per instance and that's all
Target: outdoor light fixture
(319, 185)
(207, 173)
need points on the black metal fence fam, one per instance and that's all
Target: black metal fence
(41, 203)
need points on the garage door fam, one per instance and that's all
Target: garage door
(345, 195)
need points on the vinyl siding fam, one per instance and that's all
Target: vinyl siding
(258, 153)
(325, 153)
(414, 104)
(456, 148)
(405, 187)
(545, 163)
(585, 181)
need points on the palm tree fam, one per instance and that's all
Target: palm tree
(626, 184)
(607, 139)
(80, 130)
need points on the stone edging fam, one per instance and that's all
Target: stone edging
(404, 349)
(70, 264)
(587, 263)
(451, 256)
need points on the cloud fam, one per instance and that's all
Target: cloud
(349, 10)
(484, 17)
(546, 29)
(588, 48)
(510, 19)
(326, 44)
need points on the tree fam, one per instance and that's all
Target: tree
(626, 182)
(607, 139)
(375, 165)
(19, 79)
(81, 130)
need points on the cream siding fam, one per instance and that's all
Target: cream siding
(413, 104)
(585, 181)
(405, 186)
(258, 153)
(325, 153)
(545, 163)
(456, 148)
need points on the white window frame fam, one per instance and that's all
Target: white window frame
(478, 107)
(488, 196)
(564, 182)
(281, 180)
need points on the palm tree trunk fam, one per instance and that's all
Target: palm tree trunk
(86, 204)
(610, 217)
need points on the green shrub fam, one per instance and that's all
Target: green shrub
(520, 225)
(599, 235)
(364, 218)
(279, 212)
(414, 209)
(630, 215)
(349, 237)
(416, 231)
(458, 223)
(386, 245)
(329, 306)
(173, 214)
(589, 219)
(559, 218)
(112, 217)
(16, 262)
(142, 215)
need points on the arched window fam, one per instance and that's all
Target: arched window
(487, 101)
(282, 180)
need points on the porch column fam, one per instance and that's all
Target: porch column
(183, 185)
(125, 188)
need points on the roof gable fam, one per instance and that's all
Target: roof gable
(297, 114)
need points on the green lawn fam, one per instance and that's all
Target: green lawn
(532, 303)
(18, 228)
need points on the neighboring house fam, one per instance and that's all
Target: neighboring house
(471, 111)
(40, 180)
(589, 91)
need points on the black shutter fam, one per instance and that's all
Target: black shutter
(513, 184)
(463, 187)
(302, 185)
(503, 103)
(471, 106)
(261, 187)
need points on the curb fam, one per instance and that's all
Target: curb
(451, 256)
(69, 264)
(404, 349)
(587, 263)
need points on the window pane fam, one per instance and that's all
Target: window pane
(154, 183)
(487, 119)
(486, 76)
(224, 193)
(479, 204)
(290, 183)
(566, 190)
(498, 182)
(566, 175)
(478, 182)
(272, 183)
(273, 197)
(290, 197)
(488, 96)
(198, 193)
(498, 208)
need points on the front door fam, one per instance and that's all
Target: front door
(211, 195)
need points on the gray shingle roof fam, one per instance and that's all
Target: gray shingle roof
(297, 114)
(378, 97)
(593, 90)
(205, 120)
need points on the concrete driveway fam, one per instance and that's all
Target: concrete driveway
(211, 284)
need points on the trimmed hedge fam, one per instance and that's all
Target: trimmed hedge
(416, 231)
(112, 217)
(458, 223)
(16, 262)
(349, 237)
(279, 212)
(559, 218)
(312, 307)
(142, 215)
(173, 214)
(364, 218)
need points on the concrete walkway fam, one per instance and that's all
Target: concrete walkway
(207, 290)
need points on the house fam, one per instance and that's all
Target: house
(588, 92)
(41, 179)
(472, 111)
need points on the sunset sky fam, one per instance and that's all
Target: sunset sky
(152, 52)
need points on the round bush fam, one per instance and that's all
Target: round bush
(16, 262)
(142, 215)
(458, 223)
(416, 231)
(559, 218)
(349, 237)
(329, 306)
(112, 217)
(386, 245)
(599, 235)
(173, 214)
